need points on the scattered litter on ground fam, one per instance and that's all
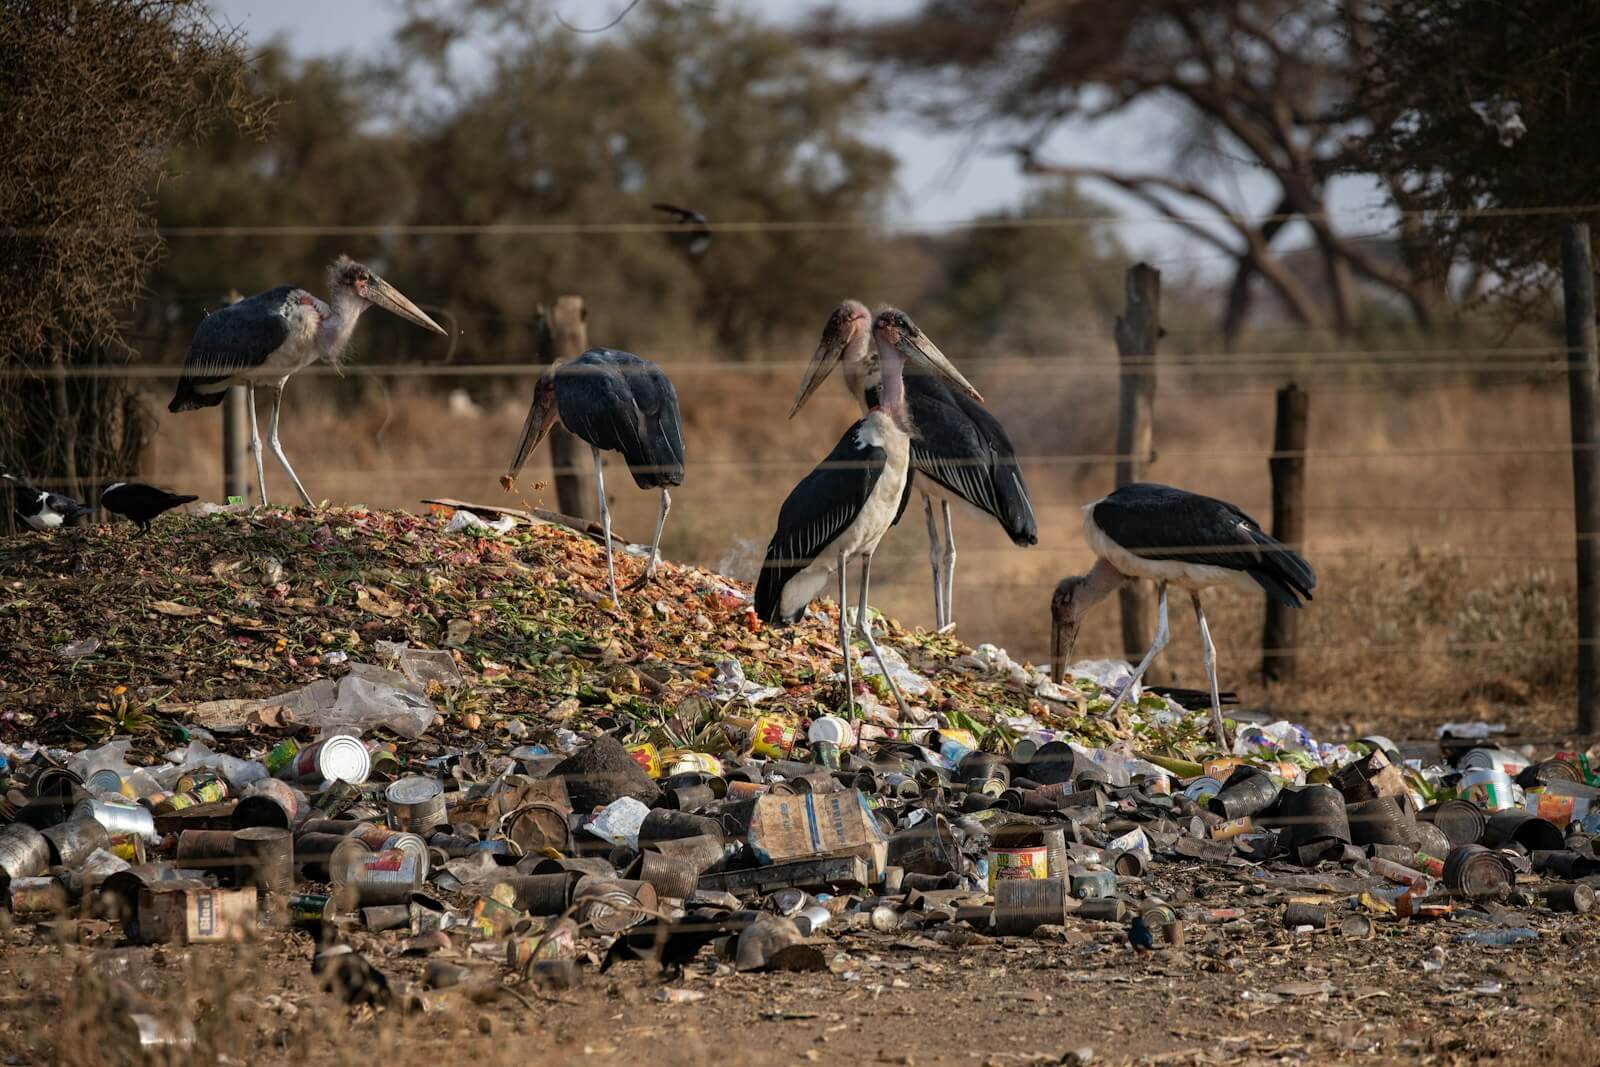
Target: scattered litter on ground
(404, 753)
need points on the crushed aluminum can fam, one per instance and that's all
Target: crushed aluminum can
(384, 877)
(24, 852)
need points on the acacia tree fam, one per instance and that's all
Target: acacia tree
(1262, 83)
(1483, 111)
(92, 97)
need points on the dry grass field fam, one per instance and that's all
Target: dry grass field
(1440, 521)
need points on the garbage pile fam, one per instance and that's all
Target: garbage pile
(757, 846)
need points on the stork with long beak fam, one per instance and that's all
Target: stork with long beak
(1179, 538)
(842, 509)
(959, 451)
(264, 339)
(616, 402)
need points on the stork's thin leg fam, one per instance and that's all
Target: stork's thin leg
(605, 524)
(277, 448)
(844, 644)
(1157, 645)
(864, 621)
(949, 570)
(1210, 651)
(655, 542)
(255, 448)
(933, 561)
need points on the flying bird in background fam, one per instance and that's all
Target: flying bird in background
(698, 237)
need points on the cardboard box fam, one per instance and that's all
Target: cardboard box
(809, 826)
(835, 873)
(190, 913)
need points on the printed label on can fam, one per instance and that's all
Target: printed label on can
(282, 754)
(772, 738)
(648, 757)
(1018, 863)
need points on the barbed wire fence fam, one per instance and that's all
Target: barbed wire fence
(1302, 374)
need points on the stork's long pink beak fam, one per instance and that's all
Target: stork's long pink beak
(394, 301)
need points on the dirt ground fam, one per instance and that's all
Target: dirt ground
(1241, 990)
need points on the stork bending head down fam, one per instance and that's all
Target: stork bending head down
(1176, 538)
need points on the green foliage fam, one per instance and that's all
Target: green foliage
(1431, 61)
(683, 105)
(1005, 290)
(92, 97)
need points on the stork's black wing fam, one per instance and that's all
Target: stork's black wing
(960, 445)
(229, 340)
(815, 513)
(616, 401)
(1160, 522)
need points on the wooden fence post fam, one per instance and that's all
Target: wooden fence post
(563, 334)
(1138, 330)
(1583, 387)
(1288, 468)
(236, 465)
(236, 460)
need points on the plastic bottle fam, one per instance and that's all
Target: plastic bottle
(1500, 937)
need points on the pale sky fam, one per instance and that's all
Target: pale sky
(942, 178)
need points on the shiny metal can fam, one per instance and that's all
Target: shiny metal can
(24, 853)
(416, 804)
(119, 819)
(340, 758)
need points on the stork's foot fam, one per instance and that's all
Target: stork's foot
(947, 628)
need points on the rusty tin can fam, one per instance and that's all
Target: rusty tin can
(265, 858)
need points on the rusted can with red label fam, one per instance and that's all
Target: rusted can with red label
(387, 877)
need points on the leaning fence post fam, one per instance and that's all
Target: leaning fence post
(1138, 329)
(1288, 469)
(563, 334)
(1583, 388)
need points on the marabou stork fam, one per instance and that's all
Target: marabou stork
(959, 450)
(42, 510)
(1179, 538)
(140, 503)
(612, 400)
(262, 340)
(843, 508)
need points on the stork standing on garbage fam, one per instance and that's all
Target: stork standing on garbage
(842, 509)
(264, 339)
(959, 452)
(1172, 537)
(615, 402)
